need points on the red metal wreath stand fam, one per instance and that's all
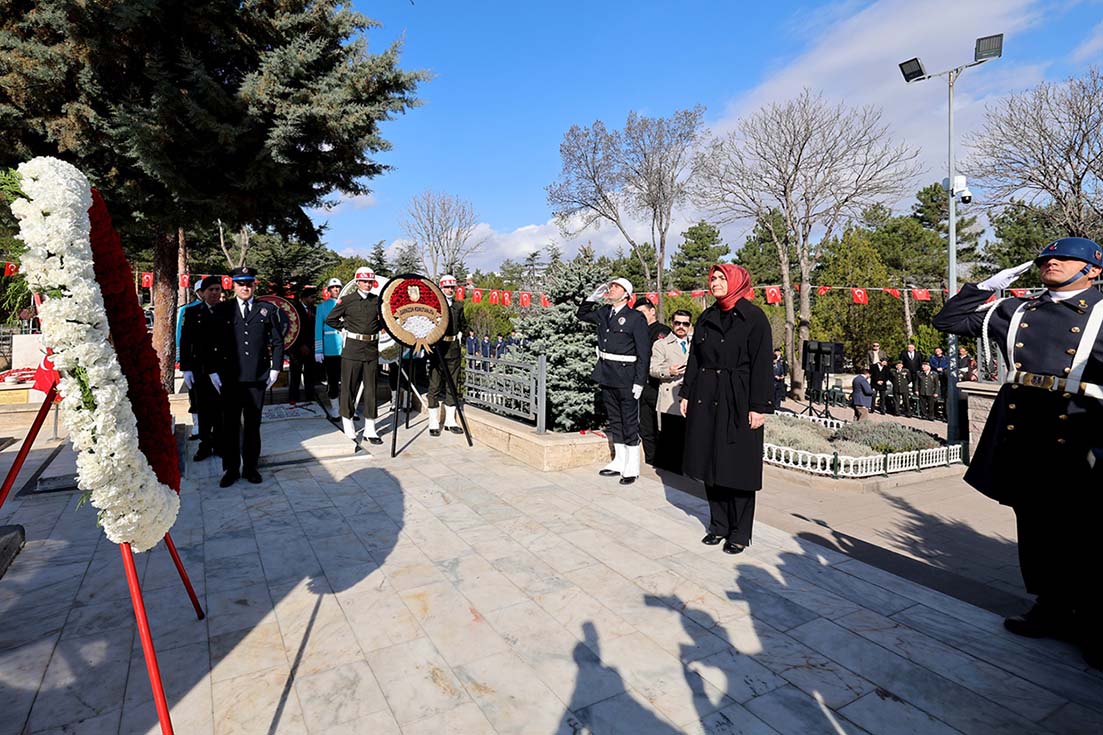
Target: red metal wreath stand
(132, 582)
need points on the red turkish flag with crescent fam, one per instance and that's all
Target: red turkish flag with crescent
(495, 296)
(893, 292)
(673, 294)
(631, 301)
(526, 298)
(10, 269)
(773, 294)
(147, 280)
(698, 293)
(459, 293)
(859, 296)
(507, 298)
(185, 280)
(46, 377)
(227, 283)
(544, 300)
(477, 295)
(921, 294)
(1020, 292)
(822, 290)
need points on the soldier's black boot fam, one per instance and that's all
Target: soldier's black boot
(1039, 621)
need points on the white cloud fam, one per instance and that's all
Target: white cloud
(343, 203)
(1091, 48)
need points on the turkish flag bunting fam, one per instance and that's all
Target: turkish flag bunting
(544, 300)
(526, 298)
(477, 295)
(796, 286)
(10, 269)
(227, 283)
(822, 290)
(495, 296)
(859, 296)
(893, 292)
(631, 301)
(459, 293)
(185, 280)
(1020, 292)
(698, 293)
(673, 293)
(147, 280)
(507, 298)
(773, 294)
(921, 294)
(653, 297)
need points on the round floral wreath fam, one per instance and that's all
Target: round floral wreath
(136, 504)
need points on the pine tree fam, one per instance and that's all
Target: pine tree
(628, 265)
(377, 259)
(1021, 230)
(932, 210)
(407, 260)
(568, 344)
(759, 255)
(700, 248)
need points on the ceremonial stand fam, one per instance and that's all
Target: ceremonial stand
(132, 582)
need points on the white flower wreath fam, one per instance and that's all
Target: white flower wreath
(134, 506)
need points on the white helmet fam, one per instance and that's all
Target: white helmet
(334, 282)
(447, 281)
(364, 274)
(623, 283)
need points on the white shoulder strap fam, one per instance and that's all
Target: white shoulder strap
(1012, 333)
(1084, 349)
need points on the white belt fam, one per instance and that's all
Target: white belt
(362, 337)
(615, 358)
(1055, 384)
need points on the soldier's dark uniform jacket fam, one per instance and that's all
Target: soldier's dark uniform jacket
(243, 350)
(361, 318)
(1048, 417)
(196, 322)
(452, 352)
(623, 344)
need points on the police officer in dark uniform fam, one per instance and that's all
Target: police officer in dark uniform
(246, 343)
(450, 351)
(359, 315)
(194, 364)
(1044, 430)
(624, 355)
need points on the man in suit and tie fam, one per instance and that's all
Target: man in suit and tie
(913, 360)
(193, 363)
(246, 356)
(875, 355)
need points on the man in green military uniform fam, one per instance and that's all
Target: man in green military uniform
(450, 351)
(359, 315)
(901, 390)
(928, 385)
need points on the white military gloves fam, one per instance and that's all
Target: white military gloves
(189, 379)
(1005, 278)
(319, 357)
(216, 382)
(637, 391)
(272, 375)
(598, 292)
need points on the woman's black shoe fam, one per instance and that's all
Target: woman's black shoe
(730, 548)
(711, 539)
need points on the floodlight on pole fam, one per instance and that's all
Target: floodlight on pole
(987, 48)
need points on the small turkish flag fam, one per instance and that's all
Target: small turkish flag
(893, 292)
(507, 298)
(459, 293)
(773, 294)
(698, 293)
(10, 269)
(495, 296)
(1020, 292)
(46, 377)
(526, 298)
(185, 280)
(653, 297)
(632, 301)
(227, 283)
(859, 296)
(544, 300)
(147, 280)
(822, 290)
(672, 294)
(921, 294)
(477, 295)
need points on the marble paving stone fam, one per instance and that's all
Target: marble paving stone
(29, 622)
(1075, 719)
(699, 604)
(458, 517)
(416, 681)
(232, 543)
(238, 609)
(345, 694)
(1017, 695)
(478, 580)
(184, 672)
(626, 712)
(320, 643)
(246, 651)
(790, 711)
(572, 607)
(21, 670)
(378, 616)
(732, 720)
(558, 657)
(337, 552)
(466, 718)
(880, 711)
(511, 696)
(288, 559)
(261, 703)
(920, 687)
(456, 627)
(408, 569)
(737, 675)
(379, 723)
(86, 677)
(376, 530)
(105, 724)
(98, 617)
(233, 572)
(612, 553)
(529, 573)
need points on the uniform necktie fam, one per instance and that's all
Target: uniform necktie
(247, 311)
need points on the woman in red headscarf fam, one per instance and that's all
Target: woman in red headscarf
(728, 389)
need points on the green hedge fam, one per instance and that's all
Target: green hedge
(857, 439)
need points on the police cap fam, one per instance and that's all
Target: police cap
(243, 273)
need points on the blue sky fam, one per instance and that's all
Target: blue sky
(511, 78)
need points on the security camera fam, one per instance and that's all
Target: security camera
(966, 195)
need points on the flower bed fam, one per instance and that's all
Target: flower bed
(859, 449)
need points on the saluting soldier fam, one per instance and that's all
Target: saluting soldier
(1044, 430)
(359, 315)
(623, 356)
(194, 362)
(246, 343)
(452, 359)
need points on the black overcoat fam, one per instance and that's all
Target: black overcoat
(240, 350)
(194, 333)
(730, 372)
(1036, 440)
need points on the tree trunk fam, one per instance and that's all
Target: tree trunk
(659, 274)
(805, 317)
(165, 279)
(184, 294)
(907, 314)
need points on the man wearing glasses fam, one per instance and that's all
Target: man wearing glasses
(449, 350)
(668, 366)
(246, 345)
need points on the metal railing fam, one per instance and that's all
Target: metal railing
(509, 387)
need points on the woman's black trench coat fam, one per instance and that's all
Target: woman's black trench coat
(730, 372)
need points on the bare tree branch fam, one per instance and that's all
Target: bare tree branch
(441, 225)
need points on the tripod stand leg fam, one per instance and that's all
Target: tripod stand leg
(396, 401)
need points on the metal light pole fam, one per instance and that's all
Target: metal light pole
(987, 48)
